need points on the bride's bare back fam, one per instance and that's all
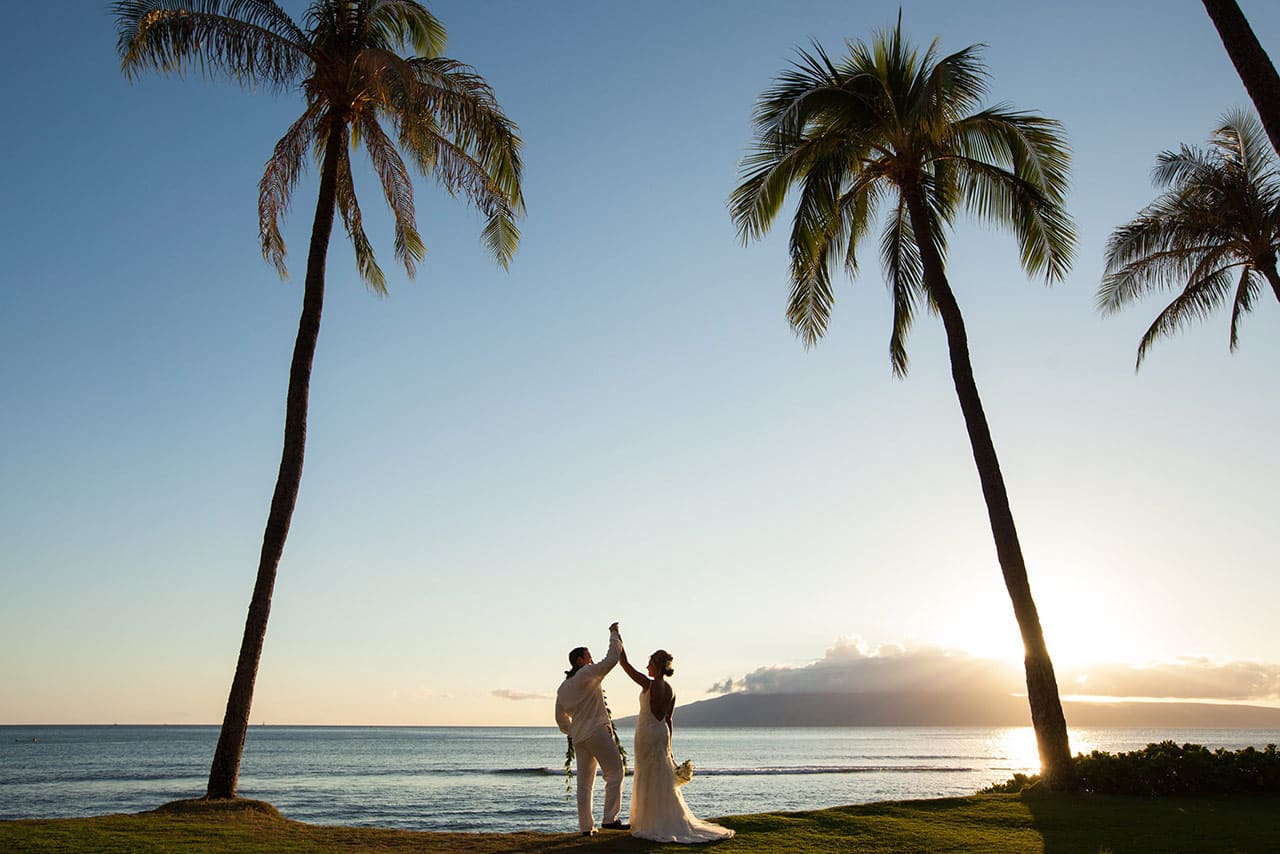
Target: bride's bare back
(662, 700)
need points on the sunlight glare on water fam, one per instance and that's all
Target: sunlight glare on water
(1017, 745)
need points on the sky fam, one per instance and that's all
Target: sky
(620, 427)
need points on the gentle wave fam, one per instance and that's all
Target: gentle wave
(829, 769)
(916, 757)
(115, 775)
(122, 775)
(790, 770)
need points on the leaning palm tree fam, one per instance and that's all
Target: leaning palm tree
(1214, 233)
(887, 128)
(347, 59)
(1251, 61)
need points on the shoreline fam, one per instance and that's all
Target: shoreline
(995, 822)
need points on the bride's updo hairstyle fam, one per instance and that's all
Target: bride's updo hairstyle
(663, 660)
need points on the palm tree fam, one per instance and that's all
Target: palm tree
(1252, 63)
(346, 57)
(886, 127)
(1214, 232)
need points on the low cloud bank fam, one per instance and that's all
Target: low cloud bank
(851, 666)
(1183, 678)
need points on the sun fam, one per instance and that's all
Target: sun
(1087, 625)
(1084, 623)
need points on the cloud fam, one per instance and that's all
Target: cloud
(851, 666)
(1183, 678)
(728, 686)
(509, 694)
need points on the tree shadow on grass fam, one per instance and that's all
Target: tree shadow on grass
(1094, 823)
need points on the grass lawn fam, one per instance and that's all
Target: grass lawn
(995, 823)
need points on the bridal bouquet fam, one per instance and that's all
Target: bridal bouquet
(684, 772)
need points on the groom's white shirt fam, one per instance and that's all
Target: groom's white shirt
(580, 710)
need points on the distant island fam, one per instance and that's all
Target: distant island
(919, 708)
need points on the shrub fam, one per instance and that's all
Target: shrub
(1169, 769)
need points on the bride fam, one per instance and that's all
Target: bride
(658, 810)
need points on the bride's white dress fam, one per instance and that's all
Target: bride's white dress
(658, 810)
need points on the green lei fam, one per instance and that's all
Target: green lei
(568, 754)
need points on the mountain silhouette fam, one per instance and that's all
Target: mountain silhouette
(924, 708)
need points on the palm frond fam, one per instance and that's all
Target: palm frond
(1013, 171)
(275, 189)
(900, 255)
(397, 187)
(454, 129)
(353, 222)
(399, 24)
(809, 305)
(1186, 166)
(1196, 302)
(819, 234)
(770, 173)
(1220, 210)
(859, 206)
(501, 236)
(250, 41)
(757, 200)
(781, 112)
(1165, 270)
(1246, 294)
(1158, 229)
(818, 228)
(953, 87)
(268, 15)
(1240, 139)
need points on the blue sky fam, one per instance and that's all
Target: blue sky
(621, 427)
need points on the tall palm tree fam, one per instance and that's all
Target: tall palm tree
(885, 127)
(346, 57)
(1252, 63)
(1214, 233)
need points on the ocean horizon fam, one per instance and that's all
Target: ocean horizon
(502, 779)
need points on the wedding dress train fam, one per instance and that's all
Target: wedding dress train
(658, 810)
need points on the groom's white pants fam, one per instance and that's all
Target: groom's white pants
(600, 750)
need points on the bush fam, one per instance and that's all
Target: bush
(1169, 769)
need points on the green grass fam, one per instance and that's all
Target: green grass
(982, 823)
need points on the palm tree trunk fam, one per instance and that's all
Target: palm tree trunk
(224, 775)
(1252, 63)
(1047, 719)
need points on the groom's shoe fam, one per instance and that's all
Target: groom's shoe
(616, 825)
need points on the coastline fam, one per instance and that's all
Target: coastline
(941, 826)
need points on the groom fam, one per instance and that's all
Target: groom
(581, 715)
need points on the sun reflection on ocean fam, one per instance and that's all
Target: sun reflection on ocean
(1017, 746)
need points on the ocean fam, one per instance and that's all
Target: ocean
(498, 779)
